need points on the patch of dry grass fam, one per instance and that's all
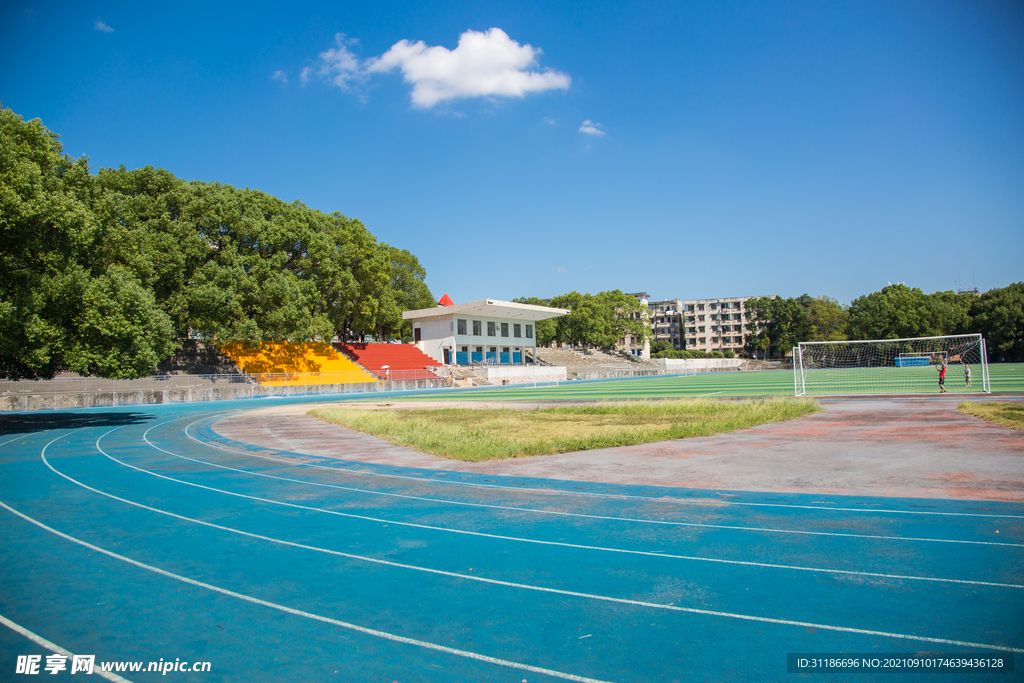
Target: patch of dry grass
(475, 435)
(997, 412)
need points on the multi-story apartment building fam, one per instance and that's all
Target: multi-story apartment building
(716, 324)
(667, 321)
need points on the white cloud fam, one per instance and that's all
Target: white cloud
(305, 74)
(100, 25)
(484, 64)
(548, 121)
(338, 65)
(561, 271)
(591, 128)
(279, 76)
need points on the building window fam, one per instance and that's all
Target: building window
(461, 326)
(476, 328)
(700, 307)
(504, 329)
(490, 328)
(529, 331)
(703, 339)
(517, 330)
(700, 329)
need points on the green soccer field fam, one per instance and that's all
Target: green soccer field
(1005, 378)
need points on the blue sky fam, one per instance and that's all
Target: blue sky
(690, 150)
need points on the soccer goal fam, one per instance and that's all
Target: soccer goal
(891, 366)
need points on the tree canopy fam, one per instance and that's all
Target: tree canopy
(100, 274)
(597, 320)
(894, 312)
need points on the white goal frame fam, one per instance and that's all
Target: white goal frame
(891, 366)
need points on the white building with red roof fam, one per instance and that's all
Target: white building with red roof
(487, 331)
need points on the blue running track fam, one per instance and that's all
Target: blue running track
(139, 535)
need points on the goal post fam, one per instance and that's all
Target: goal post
(892, 366)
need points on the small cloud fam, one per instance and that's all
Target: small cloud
(305, 74)
(591, 128)
(560, 270)
(279, 76)
(101, 25)
(548, 121)
(338, 65)
(483, 64)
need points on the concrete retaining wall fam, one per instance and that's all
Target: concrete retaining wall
(699, 364)
(198, 394)
(525, 374)
(612, 374)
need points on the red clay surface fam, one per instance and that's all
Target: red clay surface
(893, 447)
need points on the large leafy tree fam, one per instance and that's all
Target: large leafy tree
(583, 326)
(900, 312)
(600, 320)
(100, 274)
(998, 314)
(409, 290)
(829, 320)
(625, 317)
(64, 304)
(778, 324)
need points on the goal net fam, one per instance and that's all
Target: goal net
(891, 366)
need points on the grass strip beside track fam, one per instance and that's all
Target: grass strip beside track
(997, 412)
(494, 434)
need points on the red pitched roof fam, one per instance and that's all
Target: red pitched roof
(446, 300)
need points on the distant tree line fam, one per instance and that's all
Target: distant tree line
(896, 312)
(102, 274)
(594, 320)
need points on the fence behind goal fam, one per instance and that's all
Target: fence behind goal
(892, 366)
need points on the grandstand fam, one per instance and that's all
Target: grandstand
(391, 361)
(294, 363)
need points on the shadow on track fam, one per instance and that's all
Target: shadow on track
(30, 424)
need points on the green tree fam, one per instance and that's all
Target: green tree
(63, 306)
(99, 274)
(829, 320)
(624, 315)
(777, 324)
(409, 291)
(660, 346)
(895, 312)
(998, 315)
(583, 325)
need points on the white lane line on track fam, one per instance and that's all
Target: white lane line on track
(645, 553)
(485, 658)
(701, 501)
(4, 444)
(145, 437)
(308, 615)
(53, 647)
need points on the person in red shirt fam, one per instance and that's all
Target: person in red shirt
(942, 378)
